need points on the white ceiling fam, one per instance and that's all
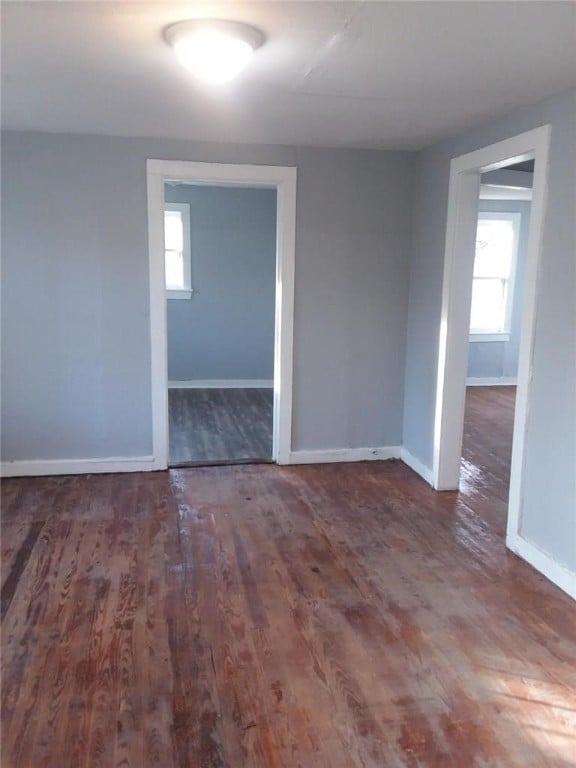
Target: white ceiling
(397, 75)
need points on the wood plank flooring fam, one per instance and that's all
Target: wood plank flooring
(330, 616)
(220, 425)
(487, 449)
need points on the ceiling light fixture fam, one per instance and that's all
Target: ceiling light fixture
(212, 49)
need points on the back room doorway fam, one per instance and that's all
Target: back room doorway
(220, 259)
(221, 249)
(478, 299)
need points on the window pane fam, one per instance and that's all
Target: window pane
(488, 305)
(173, 231)
(494, 248)
(174, 270)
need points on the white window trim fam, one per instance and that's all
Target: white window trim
(479, 334)
(186, 292)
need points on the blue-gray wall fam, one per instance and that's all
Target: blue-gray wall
(499, 359)
(75, 322)
(226, 330)
(549, 511)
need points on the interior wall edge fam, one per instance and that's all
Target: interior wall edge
(416, 465)
(558, 574)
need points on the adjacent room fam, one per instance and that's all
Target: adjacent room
(220, 256)
(288, 384)
(495, 328)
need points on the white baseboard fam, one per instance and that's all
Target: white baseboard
(415, 464)
(559, 575)
(335, 455)
(222, 384)
(78, 466)
(502, 381)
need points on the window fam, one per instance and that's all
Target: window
(493, 282)
(177, 250)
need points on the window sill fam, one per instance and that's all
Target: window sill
(483, 337)
(179, 294)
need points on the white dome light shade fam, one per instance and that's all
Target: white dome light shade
(212, 56)
(213, 50)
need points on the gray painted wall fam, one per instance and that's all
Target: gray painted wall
(226, 330)
(549, 515)
(499, 359)
(75, 322)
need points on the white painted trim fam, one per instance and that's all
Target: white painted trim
(457, 284)
(179, 293)
(453, 338)
(342, 455)
(502, 381)
(158, 323)
(485, 338)
(222, 384)
(281, 178)
(562, 577)
(78, 466)
(415, 464)
(454, 327)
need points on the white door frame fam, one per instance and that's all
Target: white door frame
(283, 179)
(456, 299)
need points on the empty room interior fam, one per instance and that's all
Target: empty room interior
(288, 384)
(220, 322)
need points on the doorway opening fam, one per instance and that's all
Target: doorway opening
(493, 243)
(503, 221)
(220, 257)
(221, 240)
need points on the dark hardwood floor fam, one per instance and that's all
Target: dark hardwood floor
(487, 449)
(262, 616)
(220, 425)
